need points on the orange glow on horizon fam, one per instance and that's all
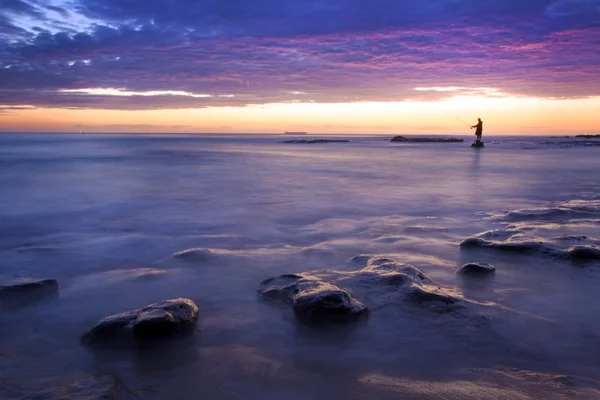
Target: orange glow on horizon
(501, 115)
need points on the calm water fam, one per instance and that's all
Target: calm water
(96, 212)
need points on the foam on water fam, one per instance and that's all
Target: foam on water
(126, 221)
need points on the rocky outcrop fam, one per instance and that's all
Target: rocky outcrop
(328, 295)
(28, 289)
(476, 269)
(426, 140)
(588, 136)
(160, 319)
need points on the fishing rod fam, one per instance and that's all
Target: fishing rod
(454, 116)
(464, 122)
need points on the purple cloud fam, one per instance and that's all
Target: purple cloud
(261, 51)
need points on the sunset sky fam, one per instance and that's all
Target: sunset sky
(267, 66)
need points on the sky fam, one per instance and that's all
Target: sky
(322, 66)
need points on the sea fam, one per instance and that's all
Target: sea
(123, 221)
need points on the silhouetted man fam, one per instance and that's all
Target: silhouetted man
(479, 130)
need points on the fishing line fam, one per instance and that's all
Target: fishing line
(454, 116)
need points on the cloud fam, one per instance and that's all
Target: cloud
(123, 92)
(574, 8)
(162, 54)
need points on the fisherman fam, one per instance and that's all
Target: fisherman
(479, 130)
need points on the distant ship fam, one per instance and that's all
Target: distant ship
(296, 133)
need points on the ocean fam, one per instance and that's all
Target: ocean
(112, 216)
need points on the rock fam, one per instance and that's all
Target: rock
(327, 295)
(476, 269)
(28, 288)
(534, 231)
(160, 319)
(426, 140)
(475, 242)
(512, 244)
(588, 136)
(197, 254)
(312, 299)
(436, 299)
(360, 259)
(584, 253)
(323, 301)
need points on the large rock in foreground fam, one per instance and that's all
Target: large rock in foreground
(328, 295)
(28, 289)
(312, 299)
(160, 319)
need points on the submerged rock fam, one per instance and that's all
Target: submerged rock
(160, 319)
(532, 233)
(512, 244)
(196, 254)
(28, 288)
(436, 299)
(476, 269)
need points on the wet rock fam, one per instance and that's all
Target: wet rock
(475, 242)
(379, 261)
(436, 299)
(512, 244)
(537, 236)
(475, 269)
(553, 231)
(311, 298)
(28, 288)
(361, 259)
(283, 287)
(160, 319)
(197, 254)
(574, 209)
(328, 295)
(584, 253)
(323, 301)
